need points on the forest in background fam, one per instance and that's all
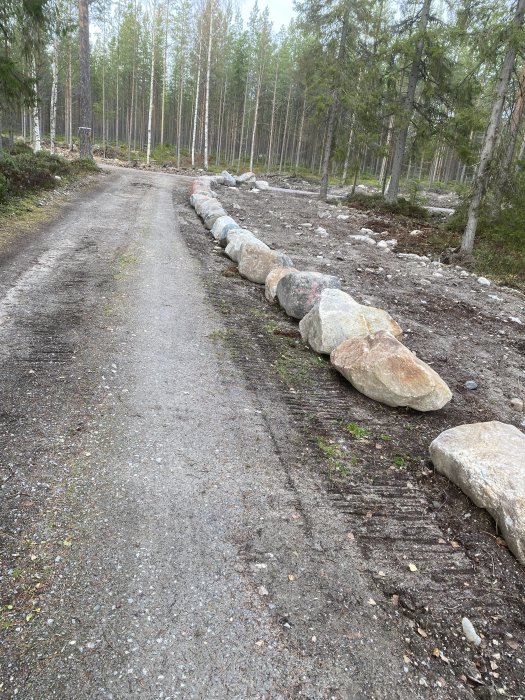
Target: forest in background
(352, 90)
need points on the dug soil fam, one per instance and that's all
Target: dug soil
(433, 556)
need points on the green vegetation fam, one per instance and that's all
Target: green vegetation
(357, 432)
(339, 464)
(400, 461)
(376, 203)
(23, 172)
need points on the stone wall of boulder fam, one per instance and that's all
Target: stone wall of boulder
(486, 460)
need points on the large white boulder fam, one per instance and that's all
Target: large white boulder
(337, 317)
(222, 225)
(255, 261)
(382, 368)
(487, 462)
(235, 240)
(298, 291)
(272, 280)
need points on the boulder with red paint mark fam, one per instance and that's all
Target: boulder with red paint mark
(298, 291)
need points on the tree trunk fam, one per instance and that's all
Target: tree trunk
(207, 98)
(179, 116)
(285, 132)
(152, 75)
(269, 159)
(408, 106)
(196, 110)
(164, 74)
(481, 178)
(300, 139)
(243, 121)
(348, 151)
(85, 80)
(53, 102)
(37, 146)
(332, 114)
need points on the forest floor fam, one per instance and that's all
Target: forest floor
(195, 505)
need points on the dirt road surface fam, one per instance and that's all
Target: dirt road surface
(170, 527)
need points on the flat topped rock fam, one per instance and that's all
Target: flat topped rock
(256, 261)
(337, 317)
(382, 368)
(298, 291)
(235, 238)
(487, 462)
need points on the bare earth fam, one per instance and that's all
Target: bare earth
(170, 527)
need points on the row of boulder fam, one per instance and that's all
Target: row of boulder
(486, 460)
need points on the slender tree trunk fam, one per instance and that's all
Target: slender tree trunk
(243, 121)
(257, 96)
(270, 139)
(408, 106)
(207, 97)
(152, 75)
(196, 110)
(384, 161)
(285, 132)
(300, 139)
(117, 78)
(348, 151)
(164, 74)
(179, 116)
(37, 146)
(332, 114)
(515, 122)
(481, 178)
(53, 102)
(85, 81)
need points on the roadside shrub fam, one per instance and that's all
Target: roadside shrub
(376, 203)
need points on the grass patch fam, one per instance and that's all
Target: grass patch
(357, 432)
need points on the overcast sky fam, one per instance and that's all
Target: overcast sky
(281, 11)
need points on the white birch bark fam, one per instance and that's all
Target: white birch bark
(196, 109)
(207, 95)
(270, 139)
(152, 75)
(53, 101)
(37, 146)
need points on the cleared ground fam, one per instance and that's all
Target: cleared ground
(185, 512)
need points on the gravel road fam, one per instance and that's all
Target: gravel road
(154, 542)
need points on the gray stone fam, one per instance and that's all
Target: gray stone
(221, 227)
(471, 385)
(361, 239)
(517, 404)
(487, 462)
(383, 369)
(298, 291)
(228, 179)
(256, 261)
(484, 282)
(213, 214)
(262, 185)
(235, 240)
(337, 317)
(198, 200)
(245, 178)
(273, 279)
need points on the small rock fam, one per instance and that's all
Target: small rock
(322, 232)
(517, 404)
(262, 185)
(343, 217)
(484, 282)
(416, 232)
(357, 238)
(464, 274)
(263, 590)
(245, 178)
(471, 385)
(515, 319)
(366, 232)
